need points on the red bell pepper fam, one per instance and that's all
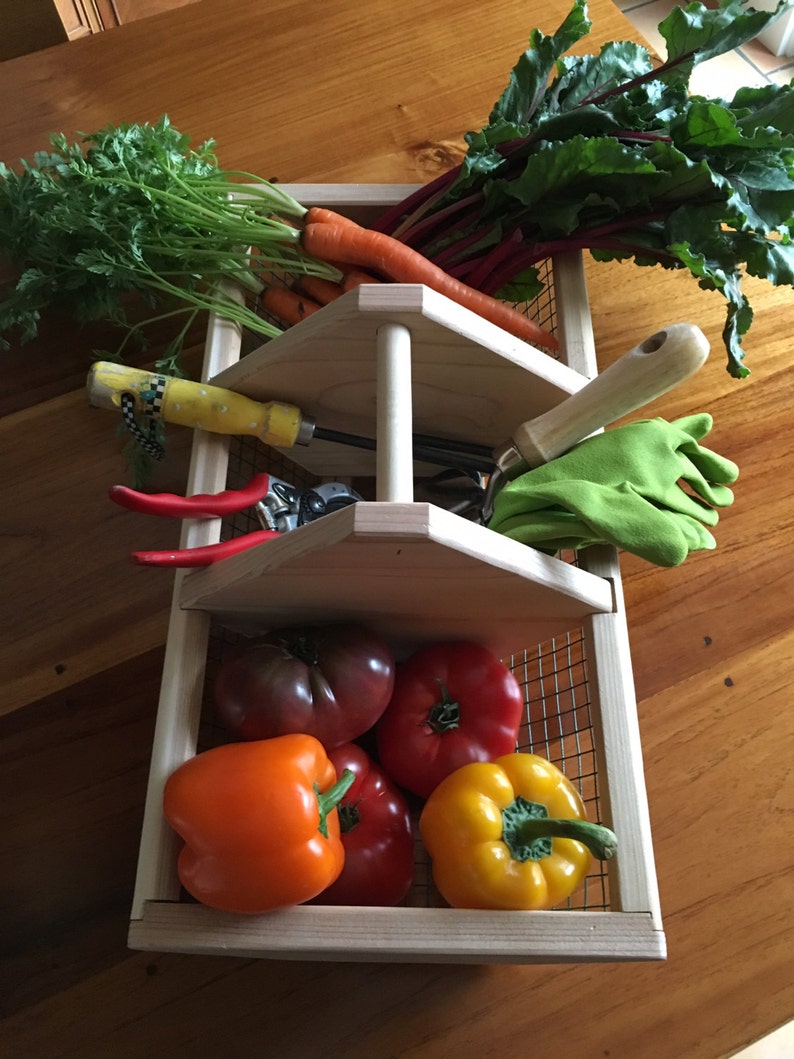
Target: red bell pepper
(376, 833)
(453, 703)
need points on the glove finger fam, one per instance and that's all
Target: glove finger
(626, 519)
(695, 426)
(712, 466)
(716, 495)
(638, 526)
(695, 534)
(622, 517)
(709, 489)
(526, 495)
(689, 476)
(549, 532)
(677, 501)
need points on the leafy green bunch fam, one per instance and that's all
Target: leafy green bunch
(611, 153)
(134, 214)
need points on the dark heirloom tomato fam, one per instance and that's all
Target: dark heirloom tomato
(332, 682)
(375, 827)
(453, 703)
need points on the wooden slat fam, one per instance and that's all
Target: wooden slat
(182, 684)
(618, 748)
(414, 572)
(471, 381)
(431, 935)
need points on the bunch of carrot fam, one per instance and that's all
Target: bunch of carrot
(363, 255)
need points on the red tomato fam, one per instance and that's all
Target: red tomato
(453, 703)
(332, 682)
(376, 832)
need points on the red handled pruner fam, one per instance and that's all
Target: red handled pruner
(279, 507)
(202, 505)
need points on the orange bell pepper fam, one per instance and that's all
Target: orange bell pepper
(258, 832)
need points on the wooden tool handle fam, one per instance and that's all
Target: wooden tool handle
(644, 373)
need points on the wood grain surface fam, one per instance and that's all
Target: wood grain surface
(380, 92)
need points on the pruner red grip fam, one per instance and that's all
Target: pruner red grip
(202, 505)
(204, 555)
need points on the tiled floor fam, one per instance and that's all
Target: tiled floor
(751, 65)
(777, 1045)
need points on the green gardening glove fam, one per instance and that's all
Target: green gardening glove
(648, 487)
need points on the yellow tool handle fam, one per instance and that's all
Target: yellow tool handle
(194, 404)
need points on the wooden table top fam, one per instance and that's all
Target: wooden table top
(341, 92)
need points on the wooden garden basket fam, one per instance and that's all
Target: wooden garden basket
(416, 573)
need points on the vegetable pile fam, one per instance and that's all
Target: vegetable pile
(610, 153)
(136, 214)
(296, 812)
(605, 152)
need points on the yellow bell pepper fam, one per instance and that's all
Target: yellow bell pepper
(510, 834)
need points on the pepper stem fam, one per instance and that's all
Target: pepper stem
(527, 830)
(328, 800)
(349, 816)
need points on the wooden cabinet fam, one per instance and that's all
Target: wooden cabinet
(31, 25)
(81, 18)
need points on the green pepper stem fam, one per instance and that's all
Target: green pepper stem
(349, 816)
(601, 842)
(328, 800)
(527, 830)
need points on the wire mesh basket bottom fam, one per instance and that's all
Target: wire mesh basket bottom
(557, 725)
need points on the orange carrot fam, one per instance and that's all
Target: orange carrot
(356, 277)
(383, 255)
(323, 291)
(286, 305)
(320, 215)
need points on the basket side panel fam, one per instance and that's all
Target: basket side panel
(633, 884)
(632, 873)
(182, 684)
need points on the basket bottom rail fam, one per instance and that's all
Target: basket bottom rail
(408, 935)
